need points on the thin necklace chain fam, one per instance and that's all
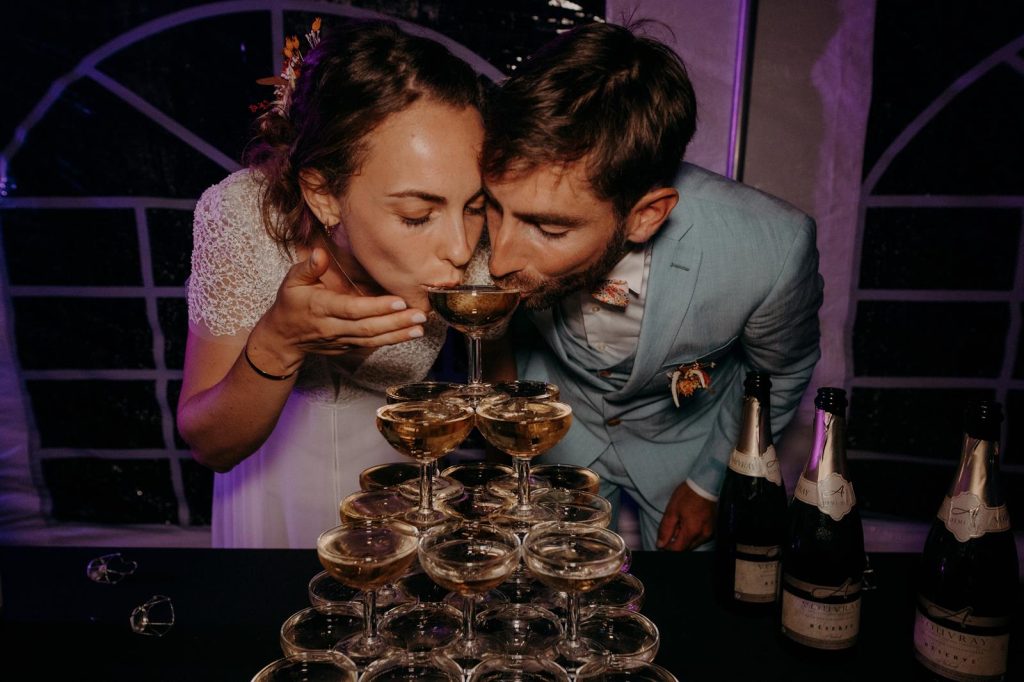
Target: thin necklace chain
(330, 252)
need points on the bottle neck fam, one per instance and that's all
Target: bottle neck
(978, 471)
(755, 427)
(828, 454)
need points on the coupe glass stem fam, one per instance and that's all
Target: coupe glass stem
(370, 615)
(426, 489)
(473, 360)
(572, 622)
(522, 467)
(468, 616)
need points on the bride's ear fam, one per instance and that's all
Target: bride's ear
(324, 205)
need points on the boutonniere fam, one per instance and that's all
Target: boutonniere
(689, 378)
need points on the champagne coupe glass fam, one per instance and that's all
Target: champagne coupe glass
(521, 629)
(319, 629)
(518, 669)
(311, 666)
(527, 388)
(565, 476)
(367, 555)
(470, 560)
(473, 309)
(575, 506)
(569, 477)
(419, 667)
(620, 633)
(624, 591)
(421, 390)
(421, 627)
(370, 505)
(623, 670)
(523, 428)
(573, 558)
(477, 474)
(475, 505)
(425, 430)
(425, 390)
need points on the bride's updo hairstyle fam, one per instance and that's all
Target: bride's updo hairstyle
(358, 75)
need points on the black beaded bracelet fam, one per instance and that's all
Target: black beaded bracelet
(265, 375)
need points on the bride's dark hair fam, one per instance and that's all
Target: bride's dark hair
(359, 74)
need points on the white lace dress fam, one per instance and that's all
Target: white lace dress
(288, 491)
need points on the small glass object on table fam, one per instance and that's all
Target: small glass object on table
(473, 310)
(425, 430)
(367, 555)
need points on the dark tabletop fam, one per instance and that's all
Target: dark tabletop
(229, 606)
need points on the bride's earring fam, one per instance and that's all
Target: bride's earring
(329, 231)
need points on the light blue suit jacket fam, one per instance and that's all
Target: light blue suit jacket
(734, 280)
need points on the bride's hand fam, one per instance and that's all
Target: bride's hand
(307, 317)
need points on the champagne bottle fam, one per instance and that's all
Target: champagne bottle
(751, 525)
(823, 559)
(968, 580)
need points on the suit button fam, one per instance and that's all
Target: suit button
(604, 373)
(614, 421)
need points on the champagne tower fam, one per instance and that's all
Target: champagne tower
(967, 583)
(751, 509)
(823, 560)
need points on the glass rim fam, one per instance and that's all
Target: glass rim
(471, 288)
(564, 409)
(397, 524)
(463, 406)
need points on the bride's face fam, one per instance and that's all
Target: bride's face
(414, 212)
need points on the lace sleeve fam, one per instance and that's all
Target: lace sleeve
(236, 267)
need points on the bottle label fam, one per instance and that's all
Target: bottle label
(833, 495)
(957, 655)
(966, 517)
(757, 466)
(757, 573)
(817, 624)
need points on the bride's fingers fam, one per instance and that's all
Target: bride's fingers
(332, 304)
(345, 344)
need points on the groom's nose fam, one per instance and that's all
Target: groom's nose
(506, 250)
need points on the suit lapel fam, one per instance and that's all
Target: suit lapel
(675, 262)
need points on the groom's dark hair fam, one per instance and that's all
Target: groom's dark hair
(620, 102)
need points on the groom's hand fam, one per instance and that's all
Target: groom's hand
(689, 520)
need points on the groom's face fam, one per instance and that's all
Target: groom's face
(550, 234)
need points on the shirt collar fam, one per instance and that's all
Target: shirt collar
(631, 269)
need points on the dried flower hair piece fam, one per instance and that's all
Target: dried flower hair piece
(284, 83)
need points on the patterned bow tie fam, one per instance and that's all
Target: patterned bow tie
(613, 292)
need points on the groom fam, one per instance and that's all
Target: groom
(640, 272)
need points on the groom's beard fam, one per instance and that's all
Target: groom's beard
(544, 293)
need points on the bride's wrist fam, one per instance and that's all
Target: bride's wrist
(271, 357)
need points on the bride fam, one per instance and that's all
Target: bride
(309, 268)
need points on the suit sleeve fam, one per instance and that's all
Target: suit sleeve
(781, 337)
